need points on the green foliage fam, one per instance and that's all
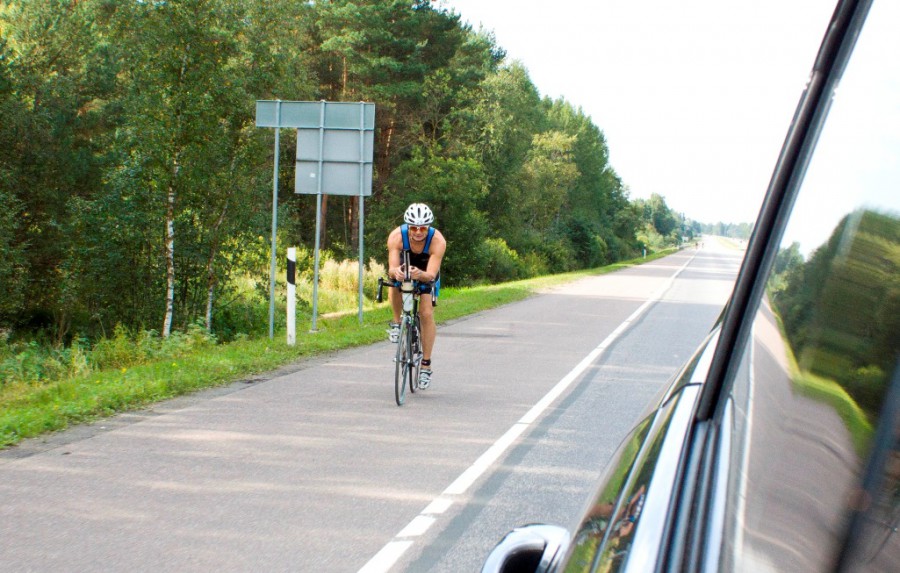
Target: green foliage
(505, 118)
(842, 400)
(128, 124)
(662, 225)
(840, 309)
(12, 270)
(590, 248)
(139, 368)
(339, 285)
(787, 261)
(32, 363)
(451, 186)
(720, 229)
(501, 262)
(122, 349)
(650, 238)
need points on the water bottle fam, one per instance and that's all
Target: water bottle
(406, 289)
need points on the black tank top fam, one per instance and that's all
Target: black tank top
(418, 260)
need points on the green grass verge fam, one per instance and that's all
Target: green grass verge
(830, 393)
(28, 411)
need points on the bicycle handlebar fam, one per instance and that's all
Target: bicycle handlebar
(391, 283)
(397, 284)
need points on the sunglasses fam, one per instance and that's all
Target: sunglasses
(417, 229)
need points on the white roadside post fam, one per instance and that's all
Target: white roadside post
(291, 296)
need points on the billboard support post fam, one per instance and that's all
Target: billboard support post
(335, 147)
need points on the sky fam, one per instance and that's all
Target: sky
(694, 97)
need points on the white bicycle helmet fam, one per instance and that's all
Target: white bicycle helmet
(418, 214)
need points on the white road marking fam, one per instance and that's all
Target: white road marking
(417, 526)
(468, 477)
(438, 506)
(391, 553)
(386, 558)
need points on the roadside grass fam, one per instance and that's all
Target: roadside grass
(29, 409)
(830, 393)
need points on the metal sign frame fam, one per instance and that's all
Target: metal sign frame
(331, 160)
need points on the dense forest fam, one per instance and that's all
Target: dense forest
(841, 308)
(135, 189)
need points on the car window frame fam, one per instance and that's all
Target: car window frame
(688, 541)
(784, 186)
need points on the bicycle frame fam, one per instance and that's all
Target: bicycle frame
(409, 346)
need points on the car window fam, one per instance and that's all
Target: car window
(816, 461)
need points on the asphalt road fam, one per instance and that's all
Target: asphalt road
(314, 468)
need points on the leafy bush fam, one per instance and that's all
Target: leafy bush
(501, 262)
(117, 352)
(244, 308)
(533, 265)
(590, 249)
(867, 386)
(558, 253)
(32, 363)
(652, 239)
(195, 338)
(23, 363)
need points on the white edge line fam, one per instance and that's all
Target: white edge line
(468, 477)
(438, 506)
(390, 553)
(386, 558)
(417, 526)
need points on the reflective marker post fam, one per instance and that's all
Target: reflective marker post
(291, 296)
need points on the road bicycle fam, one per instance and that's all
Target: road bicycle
(408, 359)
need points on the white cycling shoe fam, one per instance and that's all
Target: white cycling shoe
(424, 378)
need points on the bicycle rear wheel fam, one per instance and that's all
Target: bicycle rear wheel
(403, 362)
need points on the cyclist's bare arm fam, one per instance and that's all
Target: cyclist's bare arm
(395, 247)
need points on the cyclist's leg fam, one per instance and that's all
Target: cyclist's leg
(396, 303)
(426, 312)
(429, 330)
(396, 308)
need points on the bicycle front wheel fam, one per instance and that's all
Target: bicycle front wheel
(403, 363)
(415, 354)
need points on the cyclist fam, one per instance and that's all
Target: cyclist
(426, 246)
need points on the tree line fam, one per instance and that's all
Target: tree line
(135, 189)
(732, 230)
(841, 307)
